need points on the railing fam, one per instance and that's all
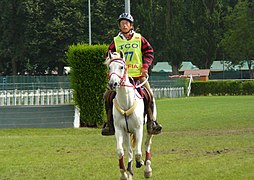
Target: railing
(168, 88)
(168, 92)
(53, 90)
(36, 97)
(34, 82)
(64, 96)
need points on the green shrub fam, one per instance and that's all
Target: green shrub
(248, 87)
(88, 80)
(222, 87)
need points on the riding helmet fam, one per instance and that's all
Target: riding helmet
(126, 16)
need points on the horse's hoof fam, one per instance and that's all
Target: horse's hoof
(139, 164)
(148, 174)
(148, 169)
(125, 175)
(129, 176)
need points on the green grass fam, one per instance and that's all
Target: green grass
(203, 138)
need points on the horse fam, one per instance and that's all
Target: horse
(129, 117)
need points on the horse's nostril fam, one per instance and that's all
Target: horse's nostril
(110, 85)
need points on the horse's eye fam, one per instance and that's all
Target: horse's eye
(121, 67)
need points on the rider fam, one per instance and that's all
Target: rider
(139, 56)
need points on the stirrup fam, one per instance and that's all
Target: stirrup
(107, 131)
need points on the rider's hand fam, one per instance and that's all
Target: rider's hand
(144, 72)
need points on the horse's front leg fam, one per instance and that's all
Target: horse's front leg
(138, 152)
(119, 148)
(148, 169)
(119, 134)
(130, 154)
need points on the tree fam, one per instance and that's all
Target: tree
(204, 25)
(53, 26)
(12, 41)
(176, 36)
(35, 34)
(104, 20)
(238, 41)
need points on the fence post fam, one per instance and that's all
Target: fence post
(2, 99)
(19, 100)
(76, 122)
(47, 97)
(52, 97)
(61, 96)
(31, 98)
(25, 98)
(37, 97)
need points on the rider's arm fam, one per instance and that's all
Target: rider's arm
(112, 47)
(147, 52)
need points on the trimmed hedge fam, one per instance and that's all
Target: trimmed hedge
(229, 87)
(88, 78)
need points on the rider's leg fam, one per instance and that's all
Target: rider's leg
(108, 128)
(153, 127)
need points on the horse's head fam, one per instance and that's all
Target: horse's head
(116, 69)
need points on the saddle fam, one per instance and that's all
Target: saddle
(143, 92)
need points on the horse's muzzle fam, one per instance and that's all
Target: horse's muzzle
(112, 85)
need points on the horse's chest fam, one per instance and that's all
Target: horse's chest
(133, 122)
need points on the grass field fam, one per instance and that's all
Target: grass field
(203, 138)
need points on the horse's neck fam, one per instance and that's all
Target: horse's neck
(125, 95)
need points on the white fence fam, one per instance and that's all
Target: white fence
(36, 97)
(168, 92)
(64, 96)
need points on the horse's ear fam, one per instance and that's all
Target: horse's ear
(108, 57)
(121, 54)
(109, 54)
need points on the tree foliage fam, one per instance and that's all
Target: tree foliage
(204, 25)
(238, 40)
(12, 40)
(35, 34)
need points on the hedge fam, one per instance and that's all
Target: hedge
(88, 80)
(222, 87)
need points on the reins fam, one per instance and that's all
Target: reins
(121, 61)
(126, 113)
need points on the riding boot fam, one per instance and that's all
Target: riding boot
(153, 127)
(108, 128)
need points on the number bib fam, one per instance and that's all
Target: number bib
(132, 51)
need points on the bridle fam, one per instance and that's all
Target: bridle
(123, 77)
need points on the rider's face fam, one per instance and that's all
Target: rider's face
(125, 26)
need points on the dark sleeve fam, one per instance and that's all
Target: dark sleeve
(112, 47)
(147, 52)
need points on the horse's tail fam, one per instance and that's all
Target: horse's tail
(133, 141)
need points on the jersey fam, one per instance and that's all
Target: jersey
(132, 52)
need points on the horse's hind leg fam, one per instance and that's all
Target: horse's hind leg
(148, 169)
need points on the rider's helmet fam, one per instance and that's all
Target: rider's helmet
(126, 16)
